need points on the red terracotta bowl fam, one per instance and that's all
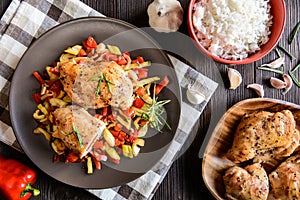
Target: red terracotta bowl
(278, 12)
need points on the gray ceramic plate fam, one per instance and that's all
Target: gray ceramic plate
(47, 49)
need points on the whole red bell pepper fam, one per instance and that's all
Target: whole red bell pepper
(16, 179)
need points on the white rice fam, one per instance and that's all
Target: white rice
(232, 29)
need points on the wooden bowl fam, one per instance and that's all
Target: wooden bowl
(214, 162)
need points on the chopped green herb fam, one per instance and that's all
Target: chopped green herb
(287, 52)
(99, 85)
(271, 70)
(75, 129)
(294, 33)
(107, 83)
(64, 133)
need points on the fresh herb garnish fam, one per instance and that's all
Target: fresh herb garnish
(286, 52)
(75, 129)
(296, 67)
(153, 113)
(271, 70)
(66, 134)
(294, 33)
(295, 80)
(99, 85)
(107, 83)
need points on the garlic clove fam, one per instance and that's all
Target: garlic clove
(259, 89)
(277, 83)
(195, 97)
(276, 63)
(235, 78)
(289, 83)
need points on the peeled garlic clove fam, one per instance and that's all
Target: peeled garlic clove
(194, 96)
(235, 78)
(289, 82)
(275, 64)
(277, 83)
(259, 89)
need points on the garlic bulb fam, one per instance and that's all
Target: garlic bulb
(165, 15)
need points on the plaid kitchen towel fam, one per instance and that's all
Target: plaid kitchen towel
(26, 20)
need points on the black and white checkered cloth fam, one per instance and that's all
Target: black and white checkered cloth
(26, 20)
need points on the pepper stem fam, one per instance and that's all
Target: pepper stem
(31, 189)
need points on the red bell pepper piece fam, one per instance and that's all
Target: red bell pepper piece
(129, 112)
(37, 98)
(164, 82)
(38, 77)
(91, 42)
(82, 53)
(139, 60)
(141, 72)
(138, 103)
(16, 179)
(140, 91)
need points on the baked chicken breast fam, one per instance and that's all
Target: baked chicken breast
(285, 180)
(97, 84)
(77, 128)
(246, 184)
(264, 134)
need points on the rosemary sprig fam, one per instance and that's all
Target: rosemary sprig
(295, 80)
(99, 85)
(286, 52)
(108, 83)
(153, 113)
(278, 52)
(271, 70)
(295, 68)
(294, 33)
(75, 129)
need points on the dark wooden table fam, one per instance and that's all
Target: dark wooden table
(184, 179)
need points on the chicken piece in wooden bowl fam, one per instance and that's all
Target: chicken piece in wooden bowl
(259, 130)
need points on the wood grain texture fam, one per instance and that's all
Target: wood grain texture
(184, 180)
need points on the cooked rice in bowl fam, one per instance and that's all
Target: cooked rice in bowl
(232, 29)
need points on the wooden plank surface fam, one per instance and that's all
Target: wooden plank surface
(184, 180)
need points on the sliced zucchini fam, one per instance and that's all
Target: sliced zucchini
(127, 151)
(113, 153)
(74, 50)
(109, 138)
(114, 49)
